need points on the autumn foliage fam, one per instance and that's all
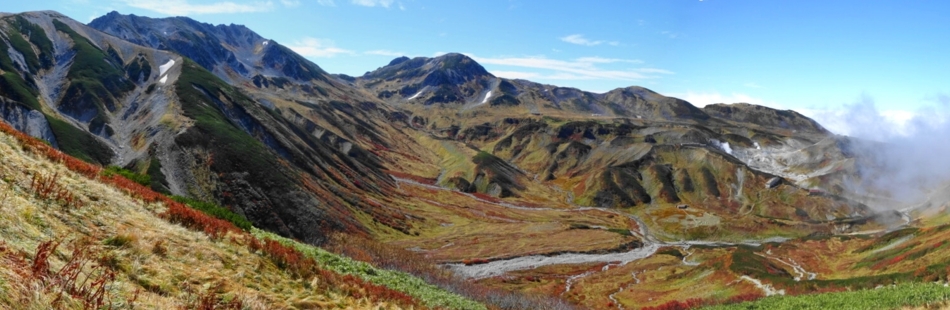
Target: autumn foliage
(304, 267)
(92, 291)
(82, 279)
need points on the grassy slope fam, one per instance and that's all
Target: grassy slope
(890, 297)
(430, 294)
(169, 266)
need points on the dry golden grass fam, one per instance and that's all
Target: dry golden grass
(157, 265)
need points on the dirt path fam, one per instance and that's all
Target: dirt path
(796, 267)
(766, 288)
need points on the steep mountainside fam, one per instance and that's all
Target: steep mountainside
(113, 102)
(74, 236)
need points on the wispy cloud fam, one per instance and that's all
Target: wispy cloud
(313, 47)
(326, 2)
(290, 3)
(183, 7)
(602, 60)
(585, 68)
(384, 53)
(516, 74)
(670, 34)
(372, 3)
(752, 85)
(579, 39)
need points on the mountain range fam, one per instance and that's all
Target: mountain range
(440, 156)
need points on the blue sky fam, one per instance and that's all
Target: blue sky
(811, 56)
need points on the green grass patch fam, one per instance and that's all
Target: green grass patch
(887, 239)
(234, 149)
(889, 297)
(429, 294)
(21, 45)
(37, 36)
(99, 79)
(159, 181)
(14, 87)
(78, 143)
(143, 179)
(216, 211)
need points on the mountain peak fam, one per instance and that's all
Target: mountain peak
(233, 52)
(453, 66)
(398, 60)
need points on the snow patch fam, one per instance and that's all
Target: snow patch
(488, 95)
(416, 95)
(164, 68)
(756, 144)
(265, 42)
(163, 80)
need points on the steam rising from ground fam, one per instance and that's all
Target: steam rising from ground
(907, 162)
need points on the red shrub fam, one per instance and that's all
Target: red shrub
(288, 258)
(46, 188)
(88, 286)
(197, 220)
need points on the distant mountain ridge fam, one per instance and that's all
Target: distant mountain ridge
(233, 52)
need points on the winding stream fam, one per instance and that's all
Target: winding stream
(650, 244)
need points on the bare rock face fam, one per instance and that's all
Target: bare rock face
(31, 122)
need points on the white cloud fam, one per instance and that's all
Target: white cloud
(516, 74)
(384, 53)
(607, 60)
(670, 34)
(183, 7)
(869, 123)
(752, 85)
(290, 3)
(704, 99)
(579, 39)
(655, 70)
(372, 3)
(313, 47)
(326, 2)
(585, 68)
